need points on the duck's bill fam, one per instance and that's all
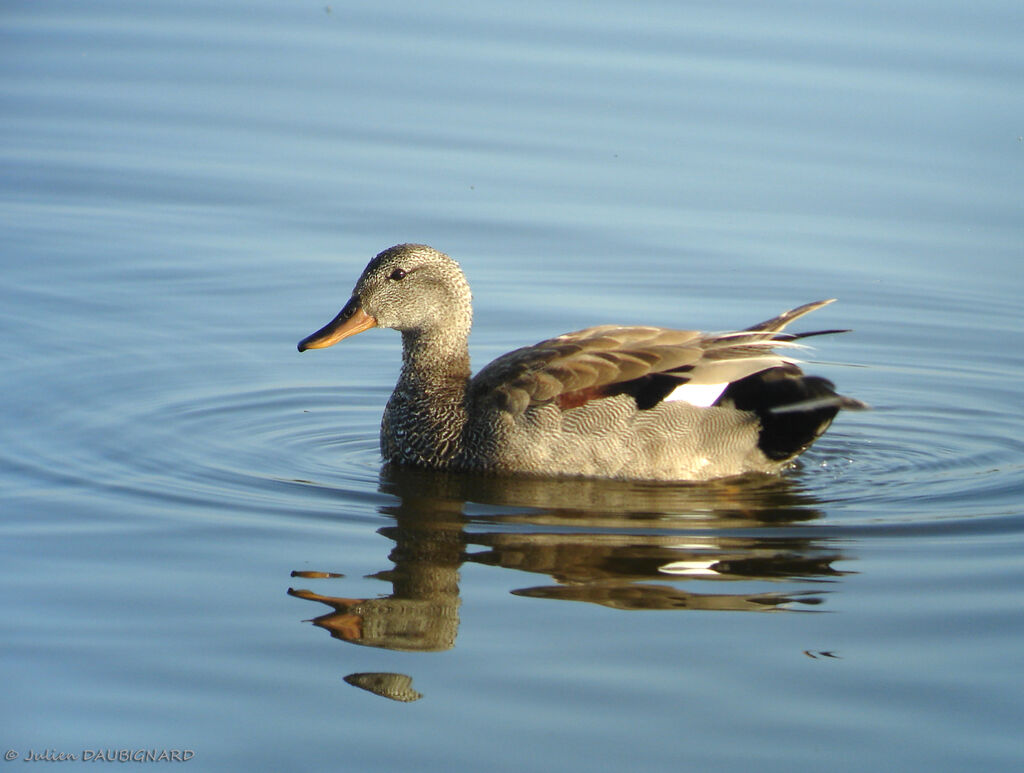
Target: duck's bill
(350, 320)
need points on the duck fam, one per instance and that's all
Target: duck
(627, 402)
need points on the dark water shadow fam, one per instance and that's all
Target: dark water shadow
(628, 546)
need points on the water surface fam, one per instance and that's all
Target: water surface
(200, 548)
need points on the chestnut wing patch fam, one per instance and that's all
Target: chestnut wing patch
(647, 390)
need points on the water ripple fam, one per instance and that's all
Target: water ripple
(313, 451)
(241, 451)
(900, 464)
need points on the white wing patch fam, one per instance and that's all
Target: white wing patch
(700, 395)
(707, 383)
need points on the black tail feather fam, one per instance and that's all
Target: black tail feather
(794, 409)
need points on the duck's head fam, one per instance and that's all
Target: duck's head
(408, 287)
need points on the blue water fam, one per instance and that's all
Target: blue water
(195, 532)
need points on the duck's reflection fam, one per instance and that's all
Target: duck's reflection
(622, 545)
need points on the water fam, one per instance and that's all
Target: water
(196, 529)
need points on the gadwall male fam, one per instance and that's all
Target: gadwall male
(626, 402)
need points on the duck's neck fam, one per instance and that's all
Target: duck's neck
(426, 415)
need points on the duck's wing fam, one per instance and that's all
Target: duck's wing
(652, 364)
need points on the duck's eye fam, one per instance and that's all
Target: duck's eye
(397, 274)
